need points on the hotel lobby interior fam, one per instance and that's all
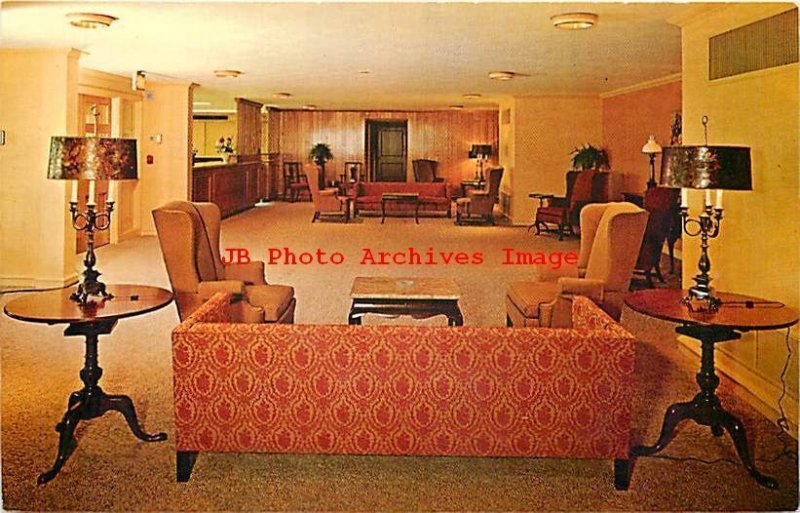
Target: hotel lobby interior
(502, 244)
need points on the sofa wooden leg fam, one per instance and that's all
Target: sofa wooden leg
(622, 474)
(184, 464)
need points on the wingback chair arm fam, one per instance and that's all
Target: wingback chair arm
(207, 289)
(251, 273)
(548, 273)
(593, 289)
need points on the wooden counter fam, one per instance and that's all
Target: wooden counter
(233, 187)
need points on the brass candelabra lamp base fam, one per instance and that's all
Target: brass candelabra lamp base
(700, 297)
(90, 221)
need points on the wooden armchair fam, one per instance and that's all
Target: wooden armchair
(480, 202)
(425, 170)
(662, 204)
(327, 202)
(295, 182)
(583, 188)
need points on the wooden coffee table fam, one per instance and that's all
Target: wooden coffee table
(418, 297)
(400, 197)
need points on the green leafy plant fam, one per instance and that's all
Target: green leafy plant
(320, 154)
(589, 157)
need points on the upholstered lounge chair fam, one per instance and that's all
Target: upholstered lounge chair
(189, 237)
(425, 170)
(611, 234)
(583, 187)
(295, 183)
(327, 202)
(480, 202)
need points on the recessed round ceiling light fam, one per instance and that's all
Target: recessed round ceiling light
(90, 20)
(456, 107)
(502, 75)
(282, 95)
(226, 73)
(574, 20)
(472, 96)
(309, 107)
(364, 72)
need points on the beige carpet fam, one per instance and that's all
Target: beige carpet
(111, 470)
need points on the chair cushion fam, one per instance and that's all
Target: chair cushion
(528, 295)
(273, 299)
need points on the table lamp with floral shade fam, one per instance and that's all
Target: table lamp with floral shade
(91, 158)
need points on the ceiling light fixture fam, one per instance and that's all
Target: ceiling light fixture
(282, 95)
(574, 20)
(198, 104)
(364, 72)
(456, 107)
(309, 107)
(472, 96)
(90, 20)
(502, 75)
(227, 73)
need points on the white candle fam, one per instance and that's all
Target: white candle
(708, 197)
(684, 197)
(73, 197)
(91, 193)
(719, 198)
(110, 197)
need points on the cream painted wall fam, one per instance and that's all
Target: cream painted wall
(38, 99)
(126, 122)
(166, 110)
(758, 250)
(546, 130)
(507, 153)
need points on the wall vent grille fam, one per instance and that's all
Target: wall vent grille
(210, 117)
(764, 44)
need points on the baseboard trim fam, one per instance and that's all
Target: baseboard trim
(759, 392)
(16, 282)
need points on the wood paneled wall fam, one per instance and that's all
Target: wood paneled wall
(248, 129)
(444, 136)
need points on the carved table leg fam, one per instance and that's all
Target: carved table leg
(706, 409)
(91, 402)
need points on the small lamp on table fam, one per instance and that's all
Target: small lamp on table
(652, 148)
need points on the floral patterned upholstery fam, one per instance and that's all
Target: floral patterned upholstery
(399, 390)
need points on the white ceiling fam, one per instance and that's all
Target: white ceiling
(420, 55)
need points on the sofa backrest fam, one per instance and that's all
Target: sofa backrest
(469, 391)
(422, 188)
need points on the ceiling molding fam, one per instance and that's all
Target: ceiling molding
(669, 79)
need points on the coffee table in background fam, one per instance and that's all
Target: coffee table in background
(736, 314)
(410, 198)
(418, 297)
(90, 321)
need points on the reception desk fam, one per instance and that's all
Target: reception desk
(233, 187)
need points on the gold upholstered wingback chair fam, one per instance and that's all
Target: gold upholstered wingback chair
(480, 202)
(189, 237)
(611, 234)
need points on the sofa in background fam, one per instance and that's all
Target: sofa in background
(433, 196)
(402, 390)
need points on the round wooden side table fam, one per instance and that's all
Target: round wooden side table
(91, 320)
(737, 313)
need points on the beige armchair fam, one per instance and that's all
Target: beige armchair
(189, 238)
(480, 202)
(611, 234)
(327, 202)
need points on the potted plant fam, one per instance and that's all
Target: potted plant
(589, 157)
(320, 154)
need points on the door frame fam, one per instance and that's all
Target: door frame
(372, 128)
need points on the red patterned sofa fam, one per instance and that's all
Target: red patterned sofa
(433, 197)
(398, 390)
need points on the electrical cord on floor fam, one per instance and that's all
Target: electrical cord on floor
(783, 426)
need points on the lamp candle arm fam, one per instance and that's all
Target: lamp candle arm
(90, 221)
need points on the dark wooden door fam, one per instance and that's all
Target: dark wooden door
(388, 143)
